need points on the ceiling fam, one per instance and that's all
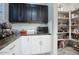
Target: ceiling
(68, 6)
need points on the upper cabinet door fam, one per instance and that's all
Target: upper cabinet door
(27, 13)
(13, 12)
(44, 14)
(34, 13)
(20, 12)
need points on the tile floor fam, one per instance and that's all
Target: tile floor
(67, 51)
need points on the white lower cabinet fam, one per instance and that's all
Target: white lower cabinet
(34, 41)
(40, 44)
(45, 43)
(25, 45)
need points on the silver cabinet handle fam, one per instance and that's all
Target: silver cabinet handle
(40, 42)
(12, 47)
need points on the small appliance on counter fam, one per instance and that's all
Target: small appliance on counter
(42, 30)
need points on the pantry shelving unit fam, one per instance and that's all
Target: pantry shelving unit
(74, 23)
(63, 28)
(75, 28)
(63, 24)
(68, 28)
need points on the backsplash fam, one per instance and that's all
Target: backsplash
(27, 26)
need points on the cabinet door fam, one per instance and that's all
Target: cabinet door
(25, 45)
(44, 14)
(13, 12)
(45, 43)
(35, 13)
(20, 12)
(27, 13)
(34, 41)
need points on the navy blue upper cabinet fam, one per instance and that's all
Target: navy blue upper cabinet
(27, 12)
(20, 12)
(36, 13)
(44, 15)
(13, 13)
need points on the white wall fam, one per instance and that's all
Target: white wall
(53, 25)
(2, 8)
(55, 29)
(26, 26)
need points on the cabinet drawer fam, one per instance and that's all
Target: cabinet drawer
(8, 48)
(4, 53)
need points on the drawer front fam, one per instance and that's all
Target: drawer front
(14, 50)
(4, 53)
(9, 48)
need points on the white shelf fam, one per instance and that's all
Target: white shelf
(63, 18)
(63, 12)
(75, 17)
(63, 39)
(62, 32)
(75, 25)
(74, 40)
(63, 25)
(76, 11)
(74, 33)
